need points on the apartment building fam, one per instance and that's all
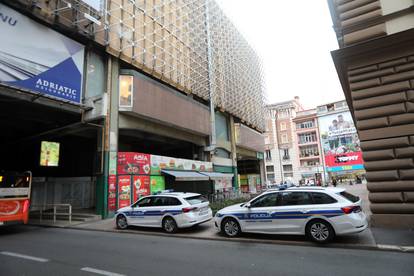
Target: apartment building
(308, 147)
(281, 153)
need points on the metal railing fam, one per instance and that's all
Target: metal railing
(230, 194)
(55, 211)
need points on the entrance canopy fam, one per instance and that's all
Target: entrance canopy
(217, 175)
(186, 175)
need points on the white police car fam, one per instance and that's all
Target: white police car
(168, 210)
(319, 213)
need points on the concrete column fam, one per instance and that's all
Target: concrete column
(110, 135)
(234, 152)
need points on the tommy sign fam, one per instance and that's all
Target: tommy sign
(39, 59)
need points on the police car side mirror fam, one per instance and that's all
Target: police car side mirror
(247, 205)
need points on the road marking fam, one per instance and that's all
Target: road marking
(27, 257)
(99, 271)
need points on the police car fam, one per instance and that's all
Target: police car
(319, 213)
(168, 210)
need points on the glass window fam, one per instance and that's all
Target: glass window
(169, 201)
(283, 126)
(159, 201)
(95, 75)
(222, 128)
(270, 168)
(196, 199)
(268, 155)
(267, 200)
(284, 139)
(222, 153)
(349, 196)
(286, 154)
(321, 198)
(144, 202)
(288, 168)
(294, 198)
(126, 90)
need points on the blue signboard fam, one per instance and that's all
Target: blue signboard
(344, 168)
(39, 59)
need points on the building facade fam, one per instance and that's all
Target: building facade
(375, 62)
(282, 158)
(124, 93)
(308, 147)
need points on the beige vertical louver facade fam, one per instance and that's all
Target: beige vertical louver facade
(188, 44)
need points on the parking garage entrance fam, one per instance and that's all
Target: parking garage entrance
(48, 138)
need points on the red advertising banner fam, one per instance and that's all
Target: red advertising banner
(112, 193)
(344, 159)
(133, 163)
(141, 186)
(124, 191)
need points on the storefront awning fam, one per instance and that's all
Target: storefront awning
(217, 175)
(186, 175)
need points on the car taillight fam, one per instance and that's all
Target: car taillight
(26, 206)
(350, 209)
(189, 209)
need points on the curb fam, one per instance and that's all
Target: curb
(378, 247)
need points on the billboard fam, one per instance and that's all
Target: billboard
(340, 142)
(133, 163)
(49, 154)
(38, 59)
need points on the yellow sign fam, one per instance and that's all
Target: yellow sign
(49, 154)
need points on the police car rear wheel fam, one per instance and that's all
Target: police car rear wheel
(169, 225)
(320, 231)
(121, 222)
(230, 227)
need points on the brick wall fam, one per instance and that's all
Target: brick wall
(382, 93)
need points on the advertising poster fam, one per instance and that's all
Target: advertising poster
(112, 163)
(159, 163)
(49, 154)
(340, 142)
(36, 58)
(133, 163)
(141, 186)
(157, 184)
(124, 191)
(112, 193)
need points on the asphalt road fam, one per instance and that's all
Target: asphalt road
(27, 250)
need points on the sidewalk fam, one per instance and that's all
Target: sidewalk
(371, 238)
(381, 239)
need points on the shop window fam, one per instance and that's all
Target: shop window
(126, 90)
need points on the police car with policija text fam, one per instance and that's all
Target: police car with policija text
(168, 210)
(317, 212)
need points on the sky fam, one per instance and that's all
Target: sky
(293, 40)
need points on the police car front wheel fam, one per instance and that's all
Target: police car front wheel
(121, 222)
(230, 227)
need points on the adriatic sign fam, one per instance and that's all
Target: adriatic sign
(38, 59)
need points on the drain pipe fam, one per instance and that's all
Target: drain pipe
(211, 83)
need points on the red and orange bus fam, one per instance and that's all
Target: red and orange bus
(14, 197)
